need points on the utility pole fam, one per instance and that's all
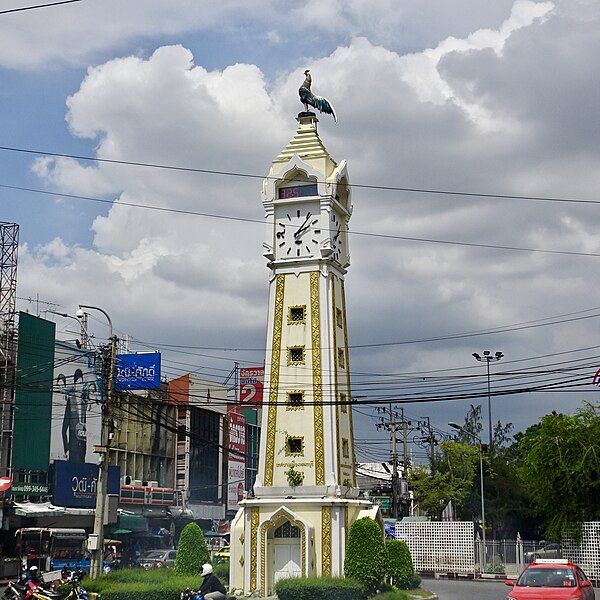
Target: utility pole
(394, 421)
(389, 422)
(405, 425)
(428, 438)
(103, 450)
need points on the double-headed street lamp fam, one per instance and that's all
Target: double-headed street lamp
(473, 436)
(102, 486)
(487, 358)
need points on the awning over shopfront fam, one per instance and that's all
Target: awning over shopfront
(47, 509)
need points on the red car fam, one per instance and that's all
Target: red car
(551, 579)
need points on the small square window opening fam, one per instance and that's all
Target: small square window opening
(341, 358)
(345, 448)
(294, 446)
(338, 317)
(343, 405)
(296, 355)
(295, 399)
(297, 315)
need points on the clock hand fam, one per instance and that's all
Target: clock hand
(302, 227)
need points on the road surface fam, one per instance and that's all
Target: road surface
(466, 590)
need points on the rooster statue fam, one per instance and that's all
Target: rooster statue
(307, 97)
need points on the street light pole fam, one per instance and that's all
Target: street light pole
(473, 436)
(102, 450)
(488, 357)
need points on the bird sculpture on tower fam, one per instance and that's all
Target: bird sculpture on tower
(308, 98)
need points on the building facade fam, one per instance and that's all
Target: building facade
(201, 408)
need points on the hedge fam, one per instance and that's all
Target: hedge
(319, 588)
(365, 555)
(400, 569)
(138, 584)
(192, 551)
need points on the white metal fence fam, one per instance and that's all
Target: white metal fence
(439, 547)
(585, 553)
(450, 547)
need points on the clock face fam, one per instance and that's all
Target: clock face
(338, 237)
(298, 232)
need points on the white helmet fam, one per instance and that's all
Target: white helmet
(206, 569)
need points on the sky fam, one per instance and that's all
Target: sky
(486, 97)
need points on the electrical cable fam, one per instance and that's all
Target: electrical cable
(23, 8)
(262, 177)
(350, 232)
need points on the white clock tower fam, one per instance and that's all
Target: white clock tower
(305, 496)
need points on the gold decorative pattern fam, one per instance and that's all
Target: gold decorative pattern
(315, 326)
(274, 378)
(352, 452)
(345, 509)
(326, 540)
(336, 407)
(273, 523)
(254, 521)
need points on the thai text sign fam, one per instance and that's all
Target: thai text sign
(236, 464)
(75, 484)
(251, 385)
(137, 371)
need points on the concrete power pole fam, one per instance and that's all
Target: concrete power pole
(97, 539)
(394, 422)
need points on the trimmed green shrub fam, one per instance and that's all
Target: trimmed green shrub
(138, 584)
(400, 569)
(319, 588)
(365, 555)
(192, 551)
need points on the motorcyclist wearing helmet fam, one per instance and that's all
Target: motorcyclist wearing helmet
(211, 588)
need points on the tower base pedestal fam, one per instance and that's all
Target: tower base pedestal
(274, 538)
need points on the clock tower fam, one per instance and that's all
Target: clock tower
(295, 521)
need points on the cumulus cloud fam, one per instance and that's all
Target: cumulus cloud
(414, 120)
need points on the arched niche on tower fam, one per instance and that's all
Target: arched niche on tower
(295, 171)
(266, 534)
(342, 191)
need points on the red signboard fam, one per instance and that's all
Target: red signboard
(5, 483)
(237, 432)
(251, 385)
(236, 463)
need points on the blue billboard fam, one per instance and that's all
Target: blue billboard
(138, 371)
(75, 484)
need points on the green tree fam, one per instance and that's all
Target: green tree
(192, 551)
(400, 569)
(366, 557)
(457, 464)
(561, 469)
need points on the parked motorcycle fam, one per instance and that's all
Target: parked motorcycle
(33, 590)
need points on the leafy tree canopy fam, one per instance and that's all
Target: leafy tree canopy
(452, 481)
(561, 468)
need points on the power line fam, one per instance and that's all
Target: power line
(388, 188)
(493, 330)
(262, 222)
(13, 10)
